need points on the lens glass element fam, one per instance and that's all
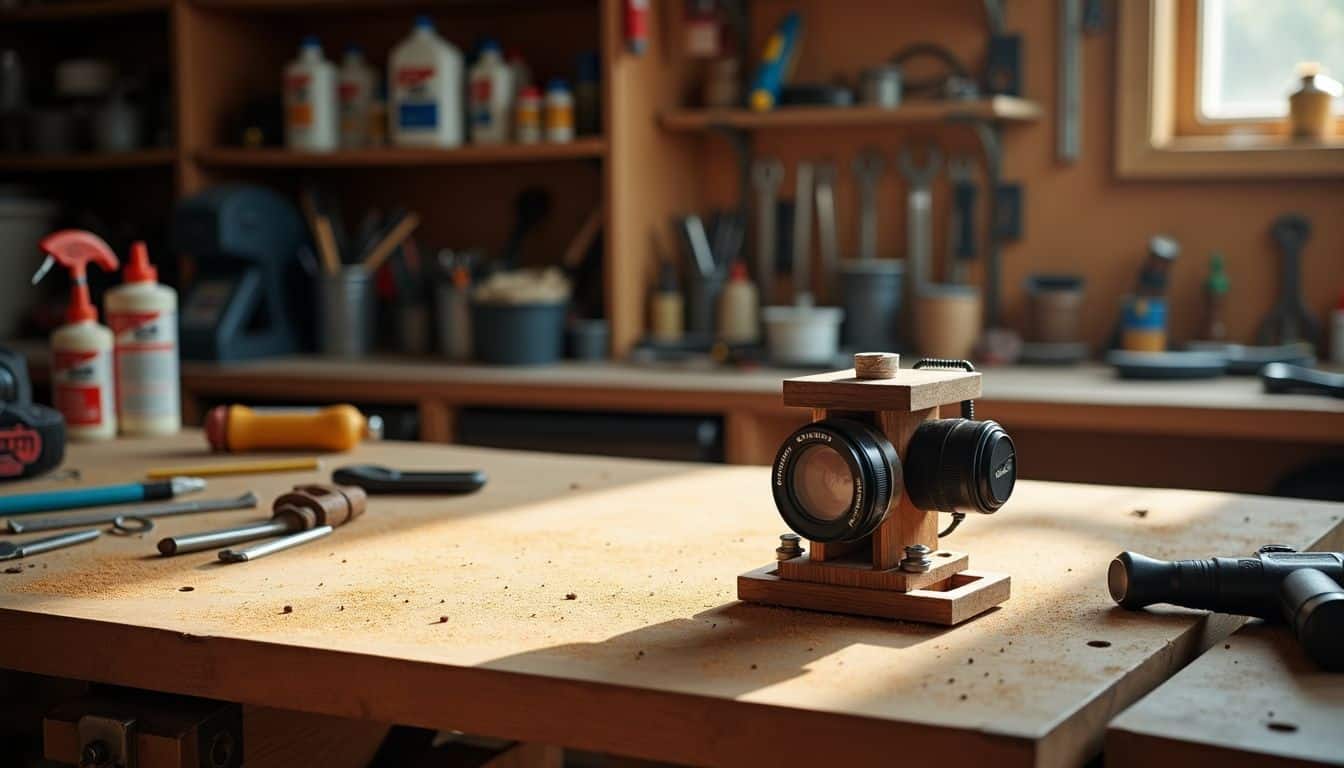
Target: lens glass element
(822, 482)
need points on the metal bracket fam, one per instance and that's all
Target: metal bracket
(106, 742)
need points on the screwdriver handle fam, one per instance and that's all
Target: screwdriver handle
(237, 428)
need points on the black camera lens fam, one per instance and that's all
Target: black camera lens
(960, 465)
(834, 480)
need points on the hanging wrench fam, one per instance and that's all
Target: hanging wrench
(961, 225)
(868, 167)
(766, 176)
(802, 235)
(919, 214)
(827, 236)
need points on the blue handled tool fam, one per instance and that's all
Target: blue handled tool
(129, 493)
(776, 63)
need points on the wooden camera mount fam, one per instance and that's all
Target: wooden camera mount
(865, 577)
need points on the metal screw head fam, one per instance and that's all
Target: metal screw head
(917, 559)
(789, 546)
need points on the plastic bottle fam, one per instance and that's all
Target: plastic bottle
(491, 92)
(311, 110)
(522, 74)
(527, 117)
(1215, 300)
(739, 308)
(425, 90)
(1337, 333)
(142, 314)
(81, 350)
(559, 112)
(355, 88)
(588, 95)
(669, 309)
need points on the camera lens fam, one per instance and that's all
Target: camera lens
(834, 480)
(960, 465)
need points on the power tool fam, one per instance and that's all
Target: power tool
(32, 437)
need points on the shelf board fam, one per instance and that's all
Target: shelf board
(999, 108)
(81, 9)
(343, 6)
(239, 157)
(90, 161)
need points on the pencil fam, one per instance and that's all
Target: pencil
(237, 468)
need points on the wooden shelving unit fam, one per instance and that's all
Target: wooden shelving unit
(236, 157)
(83, 9)
(93, 161)
(1007, 109)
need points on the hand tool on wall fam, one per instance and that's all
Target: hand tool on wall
(127, 493)
(1069, 118)
(802, 235)
(1290, 319)
(919, 213)
(776, 63)
(961, 224)
(11, 550)
(237, 428)
(397, 233)
(237, 468)
(828, 237)
(307, 511)
(245, 501)
(868, 168)
(767, 174)
(377, 479)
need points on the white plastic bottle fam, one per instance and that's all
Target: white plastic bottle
(739, 308)
(355, 89)
(424, 86)
(142, 314)
(311, 110)
(559, 112)
(81, 349)
(491, 92)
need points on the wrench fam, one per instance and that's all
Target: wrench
(919, 213)
(802, 235)
(1290, 320)
(766, 176)
(961, 226)
(826, 229)
(868, 167)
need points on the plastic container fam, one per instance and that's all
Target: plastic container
(142, 314)
(559, 112)
(425, 101)
(453, 313)
(1143, 324)
(518, 334)
(527, 116)
(588, 339)
(803, 335)
(490, 90)
(311, 110)
(871, 293)
(668, 321)
(739, 308)
(357, 88)
(1056, 304)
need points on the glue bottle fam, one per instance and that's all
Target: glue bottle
(739, 308)
(491, 94)
(425, 90)
(311, 110)
(143, 316)
(357, 84)
(81, 350)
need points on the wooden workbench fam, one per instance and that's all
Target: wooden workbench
(1248, 701)
(590, 603)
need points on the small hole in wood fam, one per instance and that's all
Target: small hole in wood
(1283, 727)
(944, 554)
(1099, 643)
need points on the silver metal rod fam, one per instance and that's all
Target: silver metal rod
(802, 235)
(284, 542)
(245, 501)
(178, 545)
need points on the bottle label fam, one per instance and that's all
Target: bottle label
(418, 115)
(299, 111)
(145, 363)
(417, 109)
(481, 115)
(81, 386)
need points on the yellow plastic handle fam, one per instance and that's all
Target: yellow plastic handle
(334, 428)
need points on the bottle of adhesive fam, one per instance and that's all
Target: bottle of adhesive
(81, 350)
(527, 117)
(559, 112)
(669, 308)
(356, 88)
(739, 308)
(143, 316)
(491, 93)
(425, 90)
(311, 110)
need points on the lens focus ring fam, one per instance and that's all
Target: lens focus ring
(835, 480)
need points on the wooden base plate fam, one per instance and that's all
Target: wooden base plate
(962, 596)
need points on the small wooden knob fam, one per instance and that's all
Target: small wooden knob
(876, 365)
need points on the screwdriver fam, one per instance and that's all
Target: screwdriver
(301, 512)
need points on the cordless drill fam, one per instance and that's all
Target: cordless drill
(32, 437)
(1300, 588)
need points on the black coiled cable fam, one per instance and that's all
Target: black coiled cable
(967, 406)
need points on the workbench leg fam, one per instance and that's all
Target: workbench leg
(438, 422)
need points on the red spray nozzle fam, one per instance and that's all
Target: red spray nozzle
(74, 249)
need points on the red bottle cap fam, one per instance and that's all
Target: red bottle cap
(738, 272)
(138, 267)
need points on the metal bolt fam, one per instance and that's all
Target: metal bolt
(917, 559)
(789, 547)
(94, 754)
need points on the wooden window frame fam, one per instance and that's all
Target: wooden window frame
(1149, 144)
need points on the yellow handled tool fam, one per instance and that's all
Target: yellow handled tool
(237, 428)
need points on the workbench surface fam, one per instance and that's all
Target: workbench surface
(591, 603)
(1253, 698)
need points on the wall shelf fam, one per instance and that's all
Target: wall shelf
(238, 157)
(995, 108)
(83, 9)
(91, 161)
(343, 6)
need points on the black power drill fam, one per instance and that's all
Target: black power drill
(1301, 588)
(32, 437)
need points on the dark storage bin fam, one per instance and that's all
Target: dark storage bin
(518, 334)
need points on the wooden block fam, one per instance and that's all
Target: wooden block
(876, 365)
(860, 573)
(969, 594)
(907, 524)
(909, 390)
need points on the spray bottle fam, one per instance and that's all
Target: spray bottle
(143, 317)
(81, 350)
